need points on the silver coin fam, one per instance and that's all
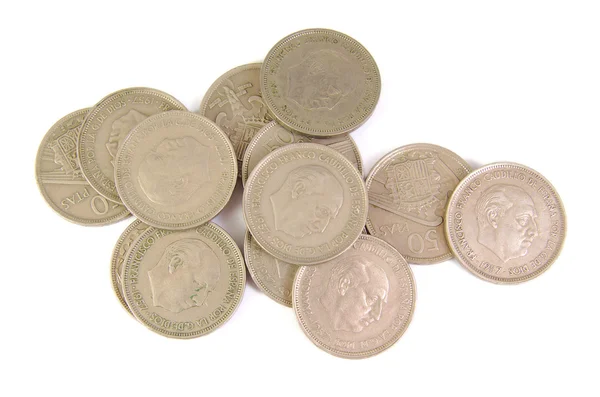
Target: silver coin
(273, 136)
(408, 191)
(235, 104)
(176, 170)
(505, 223)
(358, 304)
(305, 203)
(107, 125)
(59, 177)
(273, 276)
(184, 284)
(320, 82)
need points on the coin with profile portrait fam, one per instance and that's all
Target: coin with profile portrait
(358, 304)
(184, 284)
(176, 170)
(305, 203)
(320, 82)
(505, 223)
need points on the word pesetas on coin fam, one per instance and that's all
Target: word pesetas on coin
(408, 191)
(358, 304)
(176, 170)
(61, 182)
(184, 284)
(107, 125)
(273, 136)
(235, 104)
(305, 203)
(505, 223)
(320, 82)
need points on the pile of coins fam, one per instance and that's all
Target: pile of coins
(319, 238)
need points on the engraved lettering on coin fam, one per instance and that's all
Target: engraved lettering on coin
(120, 129)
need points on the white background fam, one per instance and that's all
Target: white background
(492, 81)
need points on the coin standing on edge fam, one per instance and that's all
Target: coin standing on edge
(320, 82)
(358, 304)
(59, 177)
(184, 284)
(305, 203)
(235, 104)
(408, 192)
(273, 136)
(176, 170)
(505, 223)
(107, 125)
(273, 276)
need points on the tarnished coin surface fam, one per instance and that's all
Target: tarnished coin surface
(358, 304)
(176, 170)
(305, 203)
(59, 177)
(128, 237)
(273, 136)
(234, 102)
(505, 223)
(107, 125)
(408, 192)
(273, 276)
(320, 82)
(184, 284)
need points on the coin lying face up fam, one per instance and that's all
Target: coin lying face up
(176, 170)
(305, 203)
(358, 304)
(184, 284)
(505, 223)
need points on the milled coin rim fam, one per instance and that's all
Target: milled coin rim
(371, 352)
(51, 204)
(224, 318)
(254, 141)
(179, 225)
(458, 254)
(382, 162)
(298, 146)
(100, 106)
(357, 122)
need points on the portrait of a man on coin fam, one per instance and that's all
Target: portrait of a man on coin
(506, 218)
(119, 130)
(185, 275)
(307, 201)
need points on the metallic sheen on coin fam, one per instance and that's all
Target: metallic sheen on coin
(273, 136)
(505, 223)
(358, 304)
(305, 203)
(320, 82)
(176, 170)
(184, 284)
(408, 191)
(235, 104)
(273, 276)
(59, 177)
(107, 125)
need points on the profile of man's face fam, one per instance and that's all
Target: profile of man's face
(120, 128)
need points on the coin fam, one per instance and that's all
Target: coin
(184, 284)
(128, 237)
(273, 136)
(107, 125)
(59, 177)
(235, 104)
(305, 203)
(358, 304)
(176, 170)
(408, 191)
(505, 223)
(320, 82)
(273, 276)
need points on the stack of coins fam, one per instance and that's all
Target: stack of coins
(319, 238)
